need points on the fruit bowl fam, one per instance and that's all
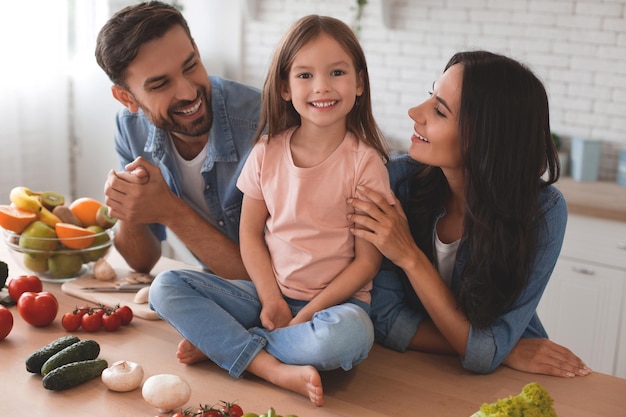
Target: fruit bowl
(54, 259)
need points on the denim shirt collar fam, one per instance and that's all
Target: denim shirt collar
(222, 150)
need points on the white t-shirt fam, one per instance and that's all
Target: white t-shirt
(192, 182)
(445, 255)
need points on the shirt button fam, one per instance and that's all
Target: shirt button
(221, 223)
(207, 187)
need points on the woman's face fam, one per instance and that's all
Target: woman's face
(435, 139)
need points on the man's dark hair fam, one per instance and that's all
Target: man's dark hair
(121, 37)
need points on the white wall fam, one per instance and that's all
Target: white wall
(578, 48)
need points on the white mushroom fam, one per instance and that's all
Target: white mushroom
(165, 392)
(123, 376)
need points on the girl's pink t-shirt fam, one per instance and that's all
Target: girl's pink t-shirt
(307, 232)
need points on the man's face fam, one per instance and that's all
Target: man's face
(169, 83)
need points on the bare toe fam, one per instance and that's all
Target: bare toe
(188, 353)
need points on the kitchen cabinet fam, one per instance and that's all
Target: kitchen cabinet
(584, 305)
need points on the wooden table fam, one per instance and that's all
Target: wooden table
(386, 384)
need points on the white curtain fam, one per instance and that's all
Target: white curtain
(34, 142)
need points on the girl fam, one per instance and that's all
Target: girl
(482, 230)
(307, 307)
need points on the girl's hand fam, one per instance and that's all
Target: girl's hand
(383, 225)
(543, 356)
(276, 315)
(299, 319)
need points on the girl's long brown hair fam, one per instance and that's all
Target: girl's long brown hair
(278, 115)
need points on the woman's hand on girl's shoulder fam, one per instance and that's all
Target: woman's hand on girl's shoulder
(543, 356)
(384, 225)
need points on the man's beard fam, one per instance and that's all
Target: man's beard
(197, 127)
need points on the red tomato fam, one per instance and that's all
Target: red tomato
(6, 322)
(208, 412)
(126, 313)
(38, 308)
(91, 322)
(81, 311)
(99, 311)
(71, 322)
(111, 321)
(232, 409)
(18, 286)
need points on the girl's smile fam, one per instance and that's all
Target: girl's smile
(323, 104)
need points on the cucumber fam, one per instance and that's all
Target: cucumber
(73, 374)
(80, 351)
(36, 360)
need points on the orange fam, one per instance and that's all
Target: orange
(15, 219)
(74, 237)
(85, 209)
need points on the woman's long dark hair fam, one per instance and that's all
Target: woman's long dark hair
(505, 140)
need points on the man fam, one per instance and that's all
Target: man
(182, 139)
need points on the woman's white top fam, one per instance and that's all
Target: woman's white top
(445, 255)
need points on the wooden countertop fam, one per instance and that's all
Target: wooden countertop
(386, 384)
(601, 199)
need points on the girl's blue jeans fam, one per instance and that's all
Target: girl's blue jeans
(221, 318)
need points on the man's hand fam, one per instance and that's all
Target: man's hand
(138, 195)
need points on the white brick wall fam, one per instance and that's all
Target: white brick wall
(578, 48)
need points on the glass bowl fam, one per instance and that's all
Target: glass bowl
(52, 260)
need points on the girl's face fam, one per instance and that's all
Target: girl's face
(435, 139)
(322, 83)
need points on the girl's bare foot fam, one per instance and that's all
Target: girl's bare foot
(304, 380)
(188, 353)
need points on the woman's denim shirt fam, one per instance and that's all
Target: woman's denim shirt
(236, 110)
(487, 348)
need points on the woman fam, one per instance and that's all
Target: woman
(482, 230)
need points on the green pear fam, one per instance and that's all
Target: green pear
(98, 247)
(36, 263)
(39, 236)
(64, 265)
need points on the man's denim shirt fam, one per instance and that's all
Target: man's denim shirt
(236, 110)
(487, 348)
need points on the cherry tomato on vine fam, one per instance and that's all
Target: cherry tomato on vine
(38, 308)
(99, 310)
(71, 321)
(231, 409)
(208, 412)
(24, 283)
(111, 321)
(82, 310)
(126, 313)
(6, 322)
(91, 322)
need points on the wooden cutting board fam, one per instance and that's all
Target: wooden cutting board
(75, 289)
